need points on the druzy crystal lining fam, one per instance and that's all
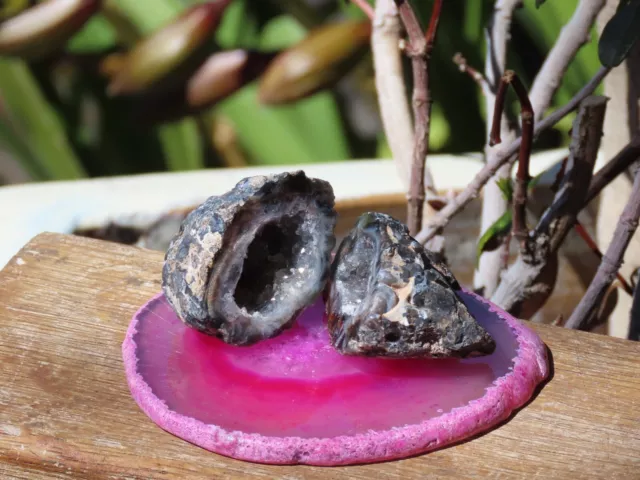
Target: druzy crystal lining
(293, 399)
(245, 263)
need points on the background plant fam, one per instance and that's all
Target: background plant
(58, 122)
(118, 87)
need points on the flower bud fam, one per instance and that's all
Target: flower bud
(218, 77)
(317, 62)
(44, 28)
(163, 59)
(224, 73)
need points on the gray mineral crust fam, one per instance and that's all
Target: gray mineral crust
(245, 263)
(390, 297)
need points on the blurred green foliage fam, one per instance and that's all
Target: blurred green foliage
(57, 120)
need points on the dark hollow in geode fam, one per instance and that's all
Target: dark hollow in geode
(245, 263)
(390, 297)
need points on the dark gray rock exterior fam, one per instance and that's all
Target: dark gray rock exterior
(245, 263)
(390, 297)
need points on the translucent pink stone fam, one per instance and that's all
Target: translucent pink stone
(294, 399)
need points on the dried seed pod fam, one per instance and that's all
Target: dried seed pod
(169, 55)
(245, 263)
(390, 297)
(220, 76)
(45, 27)
(317, 62)
(224, 73)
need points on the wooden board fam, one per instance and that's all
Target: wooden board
(66, 411)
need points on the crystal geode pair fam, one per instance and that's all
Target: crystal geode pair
(246, 263)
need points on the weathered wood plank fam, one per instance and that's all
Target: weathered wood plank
(66, 412)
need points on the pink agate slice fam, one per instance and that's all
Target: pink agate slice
(293, 399)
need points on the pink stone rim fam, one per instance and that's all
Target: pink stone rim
(505, 395)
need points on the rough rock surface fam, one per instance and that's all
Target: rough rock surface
(245, 263)
(388, 296)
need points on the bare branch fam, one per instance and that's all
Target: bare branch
(498, 34)
(569, 200)
(477, 77)
(549, 78)
(390, 85)
(572, 37)
(461, 200)
(611, 262)
(495, 137)
(593, 246)
(419, 49)
(629, 154)
(433, 25)
(522, 178)
(523, 278)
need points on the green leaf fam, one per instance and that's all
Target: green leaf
(539, 3)
(534, 181)
(148, 18)
(473, 20)
(301, 10)
(96, 36)
(543, 26)
(319, 125)
(304, 132)
(269, 135)
(619, 35)
(281, 32)
(181, 144)
(19, 149)
(494, 236)
(506, 187)
(36, 120)
(239, 27)
(181, 140)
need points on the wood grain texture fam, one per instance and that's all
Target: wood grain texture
(66, 411)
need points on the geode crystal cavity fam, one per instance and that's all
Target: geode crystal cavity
(390, 297)
(245, 263)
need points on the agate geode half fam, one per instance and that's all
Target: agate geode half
(245, 263)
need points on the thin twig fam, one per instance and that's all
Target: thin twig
(494, 205)
(558, 321)
(573, 36)
(498, 110)
(527, 276)
(593, 246)
(522, 177)
(391, 88)
(419, 49)
(611, 262)
(629, 154)
(461, 200)
(365, 7)
(464, 67)
(433, 25)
